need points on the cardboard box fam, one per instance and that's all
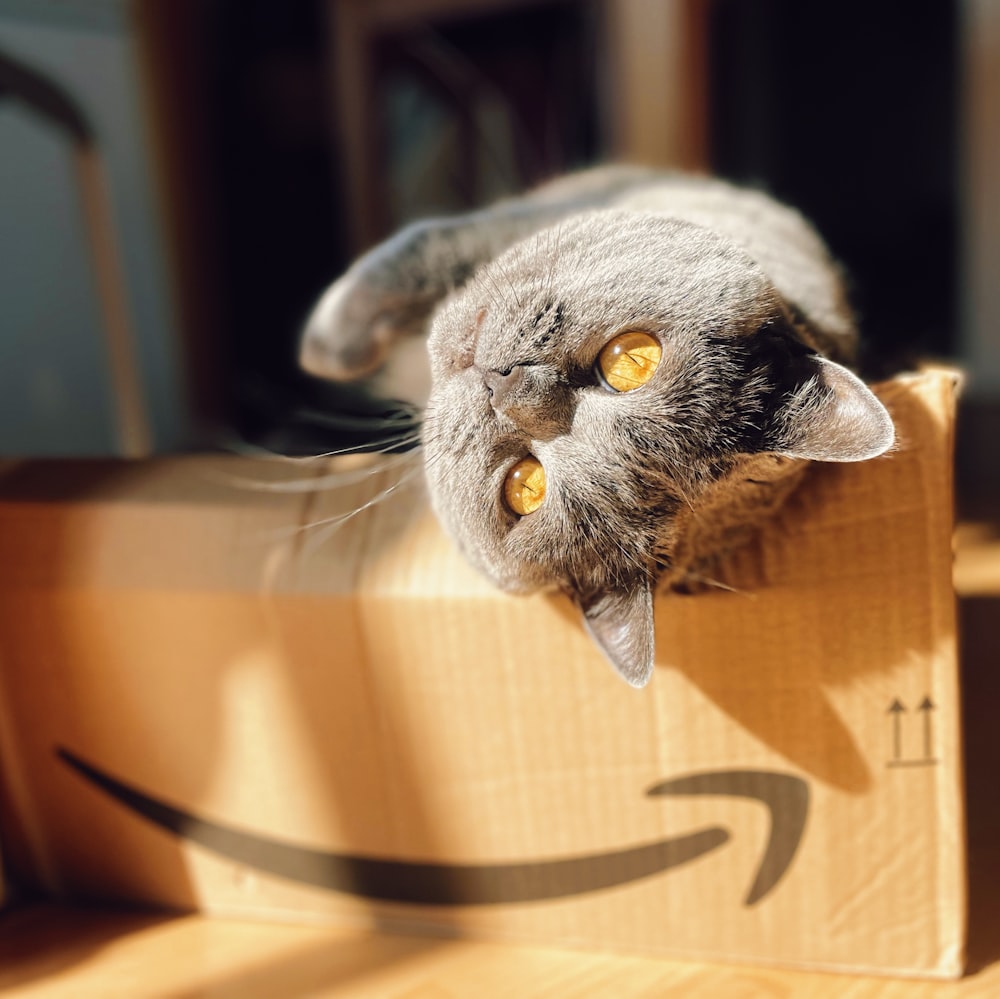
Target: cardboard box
(202, 707)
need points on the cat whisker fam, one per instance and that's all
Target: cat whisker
(330, 480)
(338, 421)
(553, 259)
(337, 479)
(297, 530)
(436, 455)
(330, 525)
(499, 299)
(412, 436)
(505, 274)
(242, 448)
(513, 288)
(719, 585)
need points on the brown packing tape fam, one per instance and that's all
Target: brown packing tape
(374, 699)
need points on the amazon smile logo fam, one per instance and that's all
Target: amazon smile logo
(785, 796)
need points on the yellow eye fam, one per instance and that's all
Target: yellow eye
(524, 487)
(629, 360)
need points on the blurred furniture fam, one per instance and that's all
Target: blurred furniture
(93, 352)
(39, 97)
(650, 89)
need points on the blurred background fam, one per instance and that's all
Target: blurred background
(179, 179)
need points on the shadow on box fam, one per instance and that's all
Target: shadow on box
(816, 740)
(820, 743)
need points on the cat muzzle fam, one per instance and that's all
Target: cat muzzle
(532, 398)
(501, 384)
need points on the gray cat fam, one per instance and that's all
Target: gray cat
(628, 372)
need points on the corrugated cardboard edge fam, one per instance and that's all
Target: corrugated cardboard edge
(955, 960)
(948, 385)
(942, 386)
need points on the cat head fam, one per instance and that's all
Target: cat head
(592, 383)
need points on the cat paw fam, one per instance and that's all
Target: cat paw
(371, 324)
(365, 329)
(349, 333)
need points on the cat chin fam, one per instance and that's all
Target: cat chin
(517, 585)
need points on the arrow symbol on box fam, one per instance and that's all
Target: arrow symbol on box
(423, 883)
(925, 708)
(896, 709)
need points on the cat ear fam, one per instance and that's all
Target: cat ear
(833, 416)
(621, 623)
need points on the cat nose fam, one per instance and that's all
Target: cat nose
(532, 398)
(502, 383)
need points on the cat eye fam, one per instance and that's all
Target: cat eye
(524, 486)
(628, 360)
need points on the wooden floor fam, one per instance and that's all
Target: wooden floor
(75, 954)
